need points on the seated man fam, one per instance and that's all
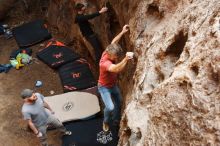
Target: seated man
(37, 117)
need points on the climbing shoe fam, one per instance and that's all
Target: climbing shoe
(105, 127)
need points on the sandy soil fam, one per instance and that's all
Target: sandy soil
(13, 129)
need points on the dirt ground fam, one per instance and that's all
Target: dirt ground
(13, 129)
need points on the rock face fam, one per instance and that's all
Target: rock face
(5, 6)
(172, 89)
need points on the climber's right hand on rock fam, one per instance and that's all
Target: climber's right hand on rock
(125, 28)
(39, 134)
(103, 10)
(130, 55)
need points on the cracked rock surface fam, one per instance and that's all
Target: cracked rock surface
(176, 94)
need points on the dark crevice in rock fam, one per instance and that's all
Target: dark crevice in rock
(168, 59)
(154, 10)
(193, 33)
(176, 48)
(140, 87)
(160, 74)
(138, 134)
(174, 51)
(184, 84)
(114, 26)
(126, 131)
(195, 69)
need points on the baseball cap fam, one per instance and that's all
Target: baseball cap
(26, 93)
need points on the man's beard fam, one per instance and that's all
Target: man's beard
(32, 101)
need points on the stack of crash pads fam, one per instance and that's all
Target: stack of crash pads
(74, 72)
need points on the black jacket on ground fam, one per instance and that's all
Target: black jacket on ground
(84, 25)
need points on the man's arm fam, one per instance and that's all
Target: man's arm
(33, 128)
(91, 16)
(116, 68)
(46, 105)
(87, 17)
(118, 37)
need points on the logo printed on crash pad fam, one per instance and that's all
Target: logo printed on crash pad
(104, 137)
(58, 55)
(68, 106)
(76, 75)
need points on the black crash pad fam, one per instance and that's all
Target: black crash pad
(90, 133)
(31, 33)
(76, 76)
(55, 56)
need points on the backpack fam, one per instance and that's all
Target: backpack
(25, 58)
(14, 53)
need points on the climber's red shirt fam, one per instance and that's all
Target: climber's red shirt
(106, 78)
